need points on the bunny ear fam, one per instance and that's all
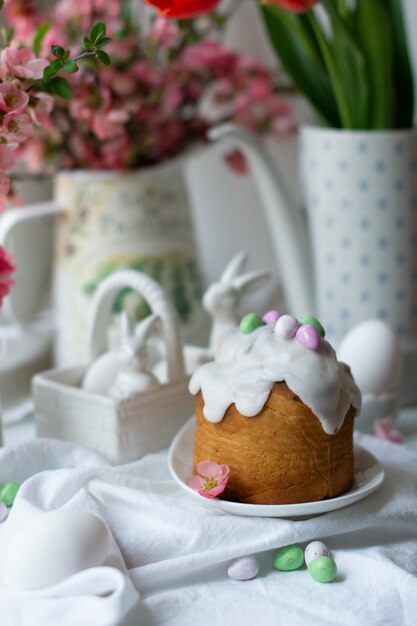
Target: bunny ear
(126, 326)
(144, 328)
(235, 267)
(251, 281)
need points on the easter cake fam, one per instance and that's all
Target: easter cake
(278, 408)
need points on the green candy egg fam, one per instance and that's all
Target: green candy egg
(309, 319)
(289, 558)
(8, 493)
(249, 323)
(323, 569)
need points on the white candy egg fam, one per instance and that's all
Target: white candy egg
(102, 372)
(372, 351)
(56, 545)
(243, 568)
(314, 550)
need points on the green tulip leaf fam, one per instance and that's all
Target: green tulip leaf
(376, 43)
(403, 87)
(296, 46)
(347, 70)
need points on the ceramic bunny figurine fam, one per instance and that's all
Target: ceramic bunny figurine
(221, 301)
(133, 376)
(222, 298)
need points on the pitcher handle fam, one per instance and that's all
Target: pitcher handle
(10, 220)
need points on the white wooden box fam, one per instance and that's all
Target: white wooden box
(121, 430)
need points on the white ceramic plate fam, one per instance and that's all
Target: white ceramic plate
(369, 475)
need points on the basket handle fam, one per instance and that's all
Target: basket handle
(160, 304)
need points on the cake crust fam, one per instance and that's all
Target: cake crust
(279, 456)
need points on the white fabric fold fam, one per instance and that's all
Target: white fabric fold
(173, 552)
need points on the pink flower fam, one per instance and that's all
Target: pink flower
(384, 428)
(12, 98)
(21, 63)
(18, 125)
(42, 108)
(7, 158)
(4, 184)
(211, 480)
(164, 34)
(210, 56)
(235, 159)
(6, 270)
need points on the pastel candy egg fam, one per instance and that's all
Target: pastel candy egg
(309, 337)
(314, 550)
(8, 493)
(271, 317)
(243, 568)
(286, 327)
(289, 558)
(309, 319)
(3, 512)
(249, 323)
(323, 569)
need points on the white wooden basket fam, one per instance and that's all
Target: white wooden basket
(121, 430)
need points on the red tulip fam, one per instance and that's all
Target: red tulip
(180, 9)
(296, 6)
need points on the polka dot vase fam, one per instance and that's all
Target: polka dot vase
(360, 191)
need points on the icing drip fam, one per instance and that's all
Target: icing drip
(246, 367)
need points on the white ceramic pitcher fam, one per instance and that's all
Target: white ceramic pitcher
(355, 256)
(106, 221)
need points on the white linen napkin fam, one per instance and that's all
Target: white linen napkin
(176, 551)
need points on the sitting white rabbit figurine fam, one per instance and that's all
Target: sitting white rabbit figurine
(222, 299)
(134, 376)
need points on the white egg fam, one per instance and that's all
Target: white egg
(372, 351)
(56, 545)
(102, 373)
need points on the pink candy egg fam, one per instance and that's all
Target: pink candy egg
(286, 327)
(309, 337)
(271, 317)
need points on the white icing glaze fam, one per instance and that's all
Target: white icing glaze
(247, 366)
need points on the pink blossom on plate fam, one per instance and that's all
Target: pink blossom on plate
(384, 428)
(211, 479)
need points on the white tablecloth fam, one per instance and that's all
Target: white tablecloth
(170, 554)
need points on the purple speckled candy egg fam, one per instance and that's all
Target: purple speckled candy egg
(286, 327)
(309, 337)
(314, 550)
(271, 317)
